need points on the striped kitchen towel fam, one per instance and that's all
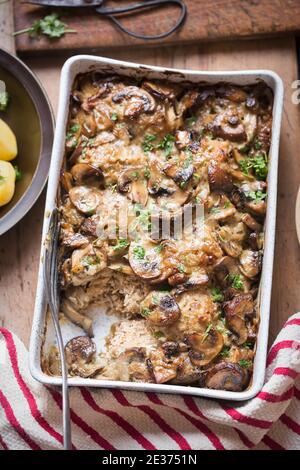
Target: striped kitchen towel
(30, 413)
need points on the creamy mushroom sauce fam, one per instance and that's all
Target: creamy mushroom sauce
(187, 307)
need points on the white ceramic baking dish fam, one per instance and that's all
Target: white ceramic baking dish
(85, 63)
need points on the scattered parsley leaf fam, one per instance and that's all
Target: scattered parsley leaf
(216, 294)
(236, 281)
(245, 363)
(225, 351)
(50, 26)
(4, 100)
(18, 173)
(114, 117)
(256, 196)
(147, 145)
(166, 144)
(139, 252)
(145, 312)
(181, 268)
(122, 243)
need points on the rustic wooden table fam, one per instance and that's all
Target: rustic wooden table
(19, 248)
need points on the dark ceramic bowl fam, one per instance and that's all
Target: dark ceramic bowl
(30, 116)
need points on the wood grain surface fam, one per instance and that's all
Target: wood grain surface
(19, 248)
(206, 20)
(7, 26)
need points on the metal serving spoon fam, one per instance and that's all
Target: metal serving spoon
(97, 5)
(52, 293)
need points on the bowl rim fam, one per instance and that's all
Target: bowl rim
(45, 114)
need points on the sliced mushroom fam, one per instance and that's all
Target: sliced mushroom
(145, 260)
(134, 362)
(188, 101)
(236, 312)
(257, 208)
(129, 182)
(165, 190)
(80, 354)
(205, 346)
(66, 180)
(219, 178)
(121, 267)
(231, 238)
(85, 199)
(187, 372)
(160, 309)
(180, 175)
(164, 368)
(223, 268)
(90, 225)
(227, 376)
(250, 263)
(86, 263)
(77, 317)
(232, 93)
(228, 126)
(220, 207)
(74, 241)
(139, 101)
(86, 174)
(196, 280)
(183, 139)
(251, 222)
(162, 91)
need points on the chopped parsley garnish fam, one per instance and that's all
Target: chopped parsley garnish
(259, 163)
(248, 345)
(245, 363)
(159, 248)
(122, 243)
(114, 117)
(166, 144)
(72, 130)
(147, 144)
(236, 281)
(139, 252)
(4, 100)
(145, 312)
(135, 175)
(256, 196)
(191, 120)
(158, 334)
(147, 173)
(206, 332)
(257, 144)
(18, 173)
(181, 268)
(225, 351)
(214, 210)
(90, 260)
(216, 294)
(50, 26)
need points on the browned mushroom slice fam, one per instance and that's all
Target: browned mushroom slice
(130, 182)
(230, 242)
(138, 101)
(228, 126)
(121, 267)
(257, 208)
(90, 225)
(180, 175)
(85, 199)
(145, 259)
(87, 263)
(196, 280)
(219, 178)
(80, 354)
(135, 361)
(187, 373)
(68, 308)
(232, 93)
(205, 346)
(227, 376)
(236, 311)
(164, 369)
(160, 309)
(182, 139)
(74, 241)
(66, 180)
(86, 174)
(162, 91)
(189, 99)
(250, 263)
(251, 222)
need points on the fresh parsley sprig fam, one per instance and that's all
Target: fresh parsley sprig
(50, 26)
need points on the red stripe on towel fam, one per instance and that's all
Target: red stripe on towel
(15, 423)
(165, 427)
(25, 389)
(118, 420)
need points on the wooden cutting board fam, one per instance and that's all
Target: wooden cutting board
(206, 20)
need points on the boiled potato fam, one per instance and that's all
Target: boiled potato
(8, 143)
(7, 182)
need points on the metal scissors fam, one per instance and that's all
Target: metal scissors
(111, 13)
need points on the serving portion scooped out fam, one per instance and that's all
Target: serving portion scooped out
(162, 205)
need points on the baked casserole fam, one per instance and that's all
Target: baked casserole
(162, 205)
